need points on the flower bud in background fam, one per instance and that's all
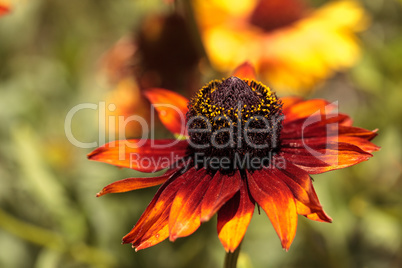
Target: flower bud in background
(161, 53)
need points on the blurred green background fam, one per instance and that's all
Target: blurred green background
(49, 215)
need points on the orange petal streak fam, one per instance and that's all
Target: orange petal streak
(363, 144)
(275, 198)
(321, 158)
(185, 215)
(315, 125)
(234, 218)
(357, 132)
(289, 101)
(220, 190)
(245, 71)
(171, 108)
(131, 184)
(142, 155)
(158, 232)
(306, 108)
(151, 227)
(299, 183)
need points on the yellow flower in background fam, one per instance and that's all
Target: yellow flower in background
(293, 46)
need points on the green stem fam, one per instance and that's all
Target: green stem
(231, 258)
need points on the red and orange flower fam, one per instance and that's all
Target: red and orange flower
(279, 141)
(4, 7)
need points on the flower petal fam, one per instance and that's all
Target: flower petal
(275, 198)
(220, 190)
(245, 71)
(171, 108)
(141, 155)
(299, 183)
(363, 144)
(306, 108)
(131, 184)
(309, 126)
(319, 158)
(152, 227)
(289, 101)
(322, 129)
(357, 132)
(234, 218)
(4, 8)
(185, 215)
(158, 232)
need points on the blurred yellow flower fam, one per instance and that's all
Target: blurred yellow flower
(293, 46)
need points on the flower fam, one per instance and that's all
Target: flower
(4, 7)
(244, 147)
(161, 53)
(293, 46)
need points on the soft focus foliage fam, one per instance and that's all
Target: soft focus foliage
(50, 52)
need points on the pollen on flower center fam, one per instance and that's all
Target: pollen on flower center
(234, 121)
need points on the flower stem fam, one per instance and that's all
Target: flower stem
(231, 258)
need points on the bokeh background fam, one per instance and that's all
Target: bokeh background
(56, 54)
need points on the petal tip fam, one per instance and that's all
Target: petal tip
(286, 244)
(205, 218)
(92, 155)
(102, 192)
(172, 237)
(245, 71)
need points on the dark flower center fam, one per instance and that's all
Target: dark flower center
(232, 123)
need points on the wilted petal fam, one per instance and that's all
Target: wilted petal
(221, 189)
(141, 155)
(171, 108)
(275, 198)
(185, 213)
(234, 218)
